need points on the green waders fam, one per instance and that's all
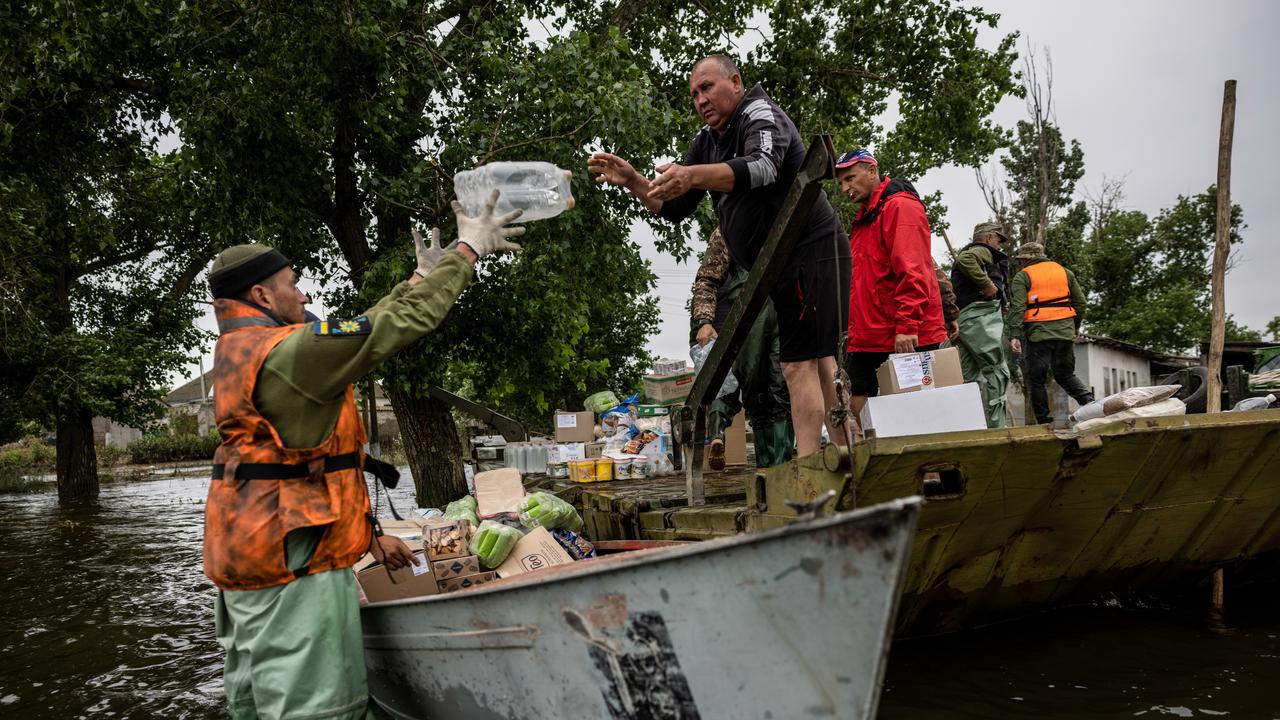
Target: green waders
(294, 651)
(762, 389)
(982, 358)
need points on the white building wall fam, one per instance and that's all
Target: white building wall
(1108, 370)
(1104, 370)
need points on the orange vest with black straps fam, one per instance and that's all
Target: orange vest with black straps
(261, 490)
(1049, 297)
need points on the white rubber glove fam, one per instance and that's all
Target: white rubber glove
(429, 255)
(485, 234)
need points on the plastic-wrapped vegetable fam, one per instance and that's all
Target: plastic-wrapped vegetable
(463, 508)
(492, 542)
(547, 510)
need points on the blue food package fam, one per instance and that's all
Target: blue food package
(577, 546)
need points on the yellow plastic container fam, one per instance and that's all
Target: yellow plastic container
(604, 469)
(582, 471)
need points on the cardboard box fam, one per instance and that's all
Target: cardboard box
(466, 581)
(909, 372)
(653, 410)
(665, 389)
(594, 451)
(498, 492)
(535, 551)
(407, 582)
(735, 444)
(456, 567)
(948, 409)
(574, 427)
(564, 452)
(448, 539)
(408, 530)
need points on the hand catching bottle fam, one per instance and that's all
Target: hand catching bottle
(485, 234)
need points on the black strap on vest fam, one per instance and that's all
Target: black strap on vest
(287, 471)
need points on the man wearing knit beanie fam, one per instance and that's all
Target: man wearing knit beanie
(288, 513)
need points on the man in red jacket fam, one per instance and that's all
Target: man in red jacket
(894, 303)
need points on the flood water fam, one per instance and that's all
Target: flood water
(104, 613)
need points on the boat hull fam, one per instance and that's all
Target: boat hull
(790, 622)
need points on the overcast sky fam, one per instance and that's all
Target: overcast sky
(1139, 84)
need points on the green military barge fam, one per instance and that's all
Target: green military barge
(1015, 520)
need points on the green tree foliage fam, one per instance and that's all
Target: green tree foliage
(1150, 277)
(1273, 329)
(98, 250)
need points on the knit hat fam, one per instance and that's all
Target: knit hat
(853, 157)
(990, 228)
(240, 267)
(1029, 251)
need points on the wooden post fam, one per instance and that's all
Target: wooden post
(1221, 249)
(1219, 590)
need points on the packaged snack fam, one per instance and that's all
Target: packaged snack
(548, 511)
(447, 540)
(492, 542)
(574, 544)
(634, 446)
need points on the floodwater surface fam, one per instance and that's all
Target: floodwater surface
(104, 613)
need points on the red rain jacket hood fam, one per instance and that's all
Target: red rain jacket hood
(895, 283)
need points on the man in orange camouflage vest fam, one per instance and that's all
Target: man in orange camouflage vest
(1046, 307)
(288, 511)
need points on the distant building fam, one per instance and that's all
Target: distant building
(1106, 366)
(109, 432)
(191, 406)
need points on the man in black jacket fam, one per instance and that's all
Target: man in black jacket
(746, 158)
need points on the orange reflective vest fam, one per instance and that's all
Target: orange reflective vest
(261, 490)
(1049, 297)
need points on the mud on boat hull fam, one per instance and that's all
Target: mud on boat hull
(790, 622)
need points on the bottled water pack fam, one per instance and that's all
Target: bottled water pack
(540, 189)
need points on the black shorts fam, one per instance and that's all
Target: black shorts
(812, 301)
(862, 366)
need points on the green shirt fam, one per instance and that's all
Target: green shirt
(1063, 329)
(972, 261)
(303, 381)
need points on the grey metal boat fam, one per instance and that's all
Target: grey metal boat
(785, 623)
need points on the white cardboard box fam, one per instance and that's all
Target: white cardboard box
(944, 409)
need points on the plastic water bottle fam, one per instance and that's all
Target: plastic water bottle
(1254, 403)
(540, 189)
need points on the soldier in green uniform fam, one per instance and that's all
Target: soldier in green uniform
(295, 650)
(762, 389)
(979, 275)
(1046, 309)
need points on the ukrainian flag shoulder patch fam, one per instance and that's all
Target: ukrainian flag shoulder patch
(343, 328)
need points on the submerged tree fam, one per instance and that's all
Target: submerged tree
(97, 245)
